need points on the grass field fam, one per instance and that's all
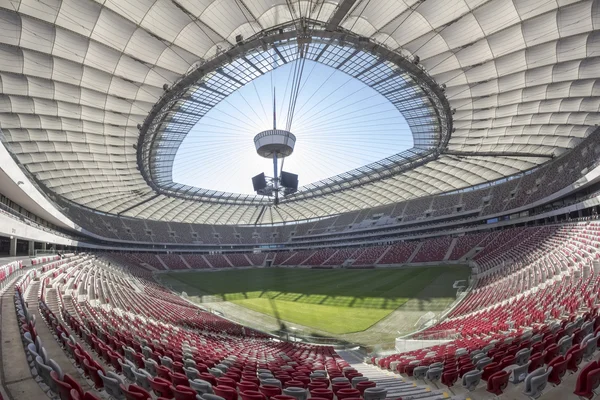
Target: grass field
(337, 301)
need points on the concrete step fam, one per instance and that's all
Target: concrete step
(395, 384)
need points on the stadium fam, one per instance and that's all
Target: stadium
(299, 199)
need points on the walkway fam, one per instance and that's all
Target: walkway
(396, 385)
(16, 374)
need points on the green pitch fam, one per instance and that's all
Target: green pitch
(337, 301)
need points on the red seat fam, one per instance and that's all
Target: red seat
(537, 348)
(161, 387)
(576, 353)
(114, 360)
(537, 360)
(208, 377)
(178, 367)
(134, 392)
(284, 378)
(559, 369)
(201, 367)
(348, 393)
(270, 390)
(578, 335)
(249, 378)
(252, 395)
(587, 380)
(93, 372)
(74, 384)
(63, 388)
(182, 392)
(314, 385)
(139, 360)
(163, 372)
(233, 375)
(465, 368)
(408, 370)
(79, 360)
(179, 379)
(550, 353)
(295, 383)
(449, 378)
(283, 397)
(362, 386)
(340, 385)
(86, 396)
(226, 392)
(244, 386)
(325, 393)
(497, 382)
(489, 370)
(506, 361)
(224, 381)
(304, 379)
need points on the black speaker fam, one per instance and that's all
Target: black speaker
(289, 180)
(259, 182)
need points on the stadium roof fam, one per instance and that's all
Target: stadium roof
(78, 77)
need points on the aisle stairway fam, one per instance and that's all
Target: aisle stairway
(397, 387)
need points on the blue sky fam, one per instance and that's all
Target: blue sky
(339, 122)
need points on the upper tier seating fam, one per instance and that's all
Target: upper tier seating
(513, 193)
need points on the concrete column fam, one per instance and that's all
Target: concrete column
(13, 247)
(31, 248)
(44, 246)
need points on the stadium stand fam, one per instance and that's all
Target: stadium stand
(238, 260)
(496, 173)
(466, 243)
(433, 250)
(196, 261)
(370, 255)
(217, 261)
(399, 253)
(173, 261)
(98, 330)
(257, 259)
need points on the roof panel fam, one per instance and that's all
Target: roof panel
(77, 76)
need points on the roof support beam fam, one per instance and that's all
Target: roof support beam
(340, 12)
(253, 65)
(340, 65)
(137, 204)
(378, 62)
(496, 154)
(279, 54)
(231, 78)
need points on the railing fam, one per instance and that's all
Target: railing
(9, 270)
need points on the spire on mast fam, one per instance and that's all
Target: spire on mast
(274, 112)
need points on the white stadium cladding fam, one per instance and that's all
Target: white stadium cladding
(506, 85)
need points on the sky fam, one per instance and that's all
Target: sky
(339, 122)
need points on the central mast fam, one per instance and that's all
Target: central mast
(275, 177)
